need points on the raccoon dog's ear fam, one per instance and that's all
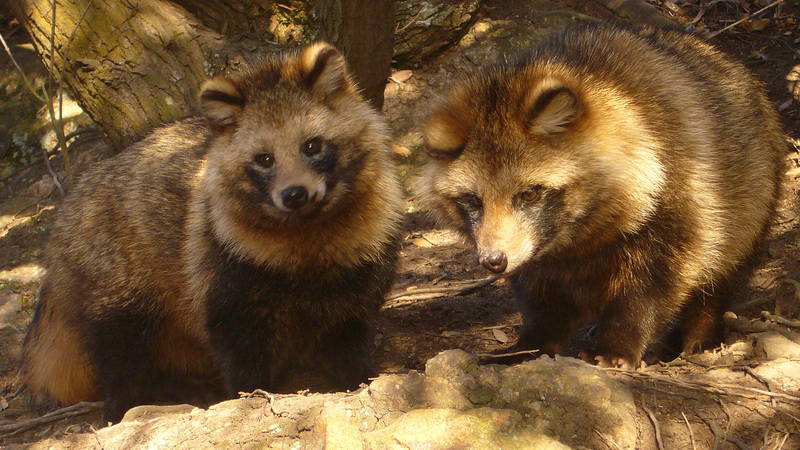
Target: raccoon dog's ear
(551, 107)
(323, 69)
(445, 134)
(220, 101)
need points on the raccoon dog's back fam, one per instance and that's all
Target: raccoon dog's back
(617, 175)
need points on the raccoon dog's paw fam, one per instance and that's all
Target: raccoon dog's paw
(608, 360)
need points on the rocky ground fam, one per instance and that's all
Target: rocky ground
(744, 395)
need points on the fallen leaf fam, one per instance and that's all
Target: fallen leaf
(422, 243)
(3, 403)
(402, 151)
(500, 336)
(401, 76)
(755, 25)
(760, 24)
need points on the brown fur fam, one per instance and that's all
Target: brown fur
(139, 257)
(622, 176)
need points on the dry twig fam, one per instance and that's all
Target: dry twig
(21, 72)
(96, 437)
(714, 388)
(691, 433)
(656, 426)
(459, 290)
(503, 355)
(607, 439)
(761, 380)
(778, 319)
(50, 153)
(396, 31)
(775, 3)
(719, 434)
(56, 121)
(53, 174)
(786, 412)
(54, 416)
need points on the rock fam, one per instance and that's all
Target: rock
(776, 248)
(547, 403)
(450, 364)
(781, 375)
(23, 274)
(406, 392)
(41, 188)
(448, 429)
(10, 306)
(772, 345)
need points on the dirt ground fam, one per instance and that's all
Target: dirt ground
(414, 328)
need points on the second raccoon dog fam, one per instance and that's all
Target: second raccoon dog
(247, 242)
(625, 177)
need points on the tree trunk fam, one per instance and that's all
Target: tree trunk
(134, 64)
(364, 31)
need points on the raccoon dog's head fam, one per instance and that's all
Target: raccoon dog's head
(288, 137)
(529, 160)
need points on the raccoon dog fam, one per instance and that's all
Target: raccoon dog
(621, 177)
(259, 237)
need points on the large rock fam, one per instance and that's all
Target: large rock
(456, 403)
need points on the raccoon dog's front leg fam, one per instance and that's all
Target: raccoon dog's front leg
(120, 345)
(242, 342)
(549, 315)
(346, 355)
(628, 325)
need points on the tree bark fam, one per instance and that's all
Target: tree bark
(134, 64)
(364, 31)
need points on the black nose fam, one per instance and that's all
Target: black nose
(294, 197)
(494, 262)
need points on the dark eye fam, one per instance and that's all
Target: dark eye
(470, 201)
(265, 160)
(530, 194)
(312, 146)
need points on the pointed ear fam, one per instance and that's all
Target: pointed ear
(323, 69)
(445, 134)
(221, 101)
(551, 108)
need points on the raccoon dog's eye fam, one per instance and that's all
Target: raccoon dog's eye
(530, 194)
(265, 160)
(470, 201)
(312, 146)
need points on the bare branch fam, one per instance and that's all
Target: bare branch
(656, 426)
(714, 34)
(21, 72)
(54, 416)
(459, 290)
